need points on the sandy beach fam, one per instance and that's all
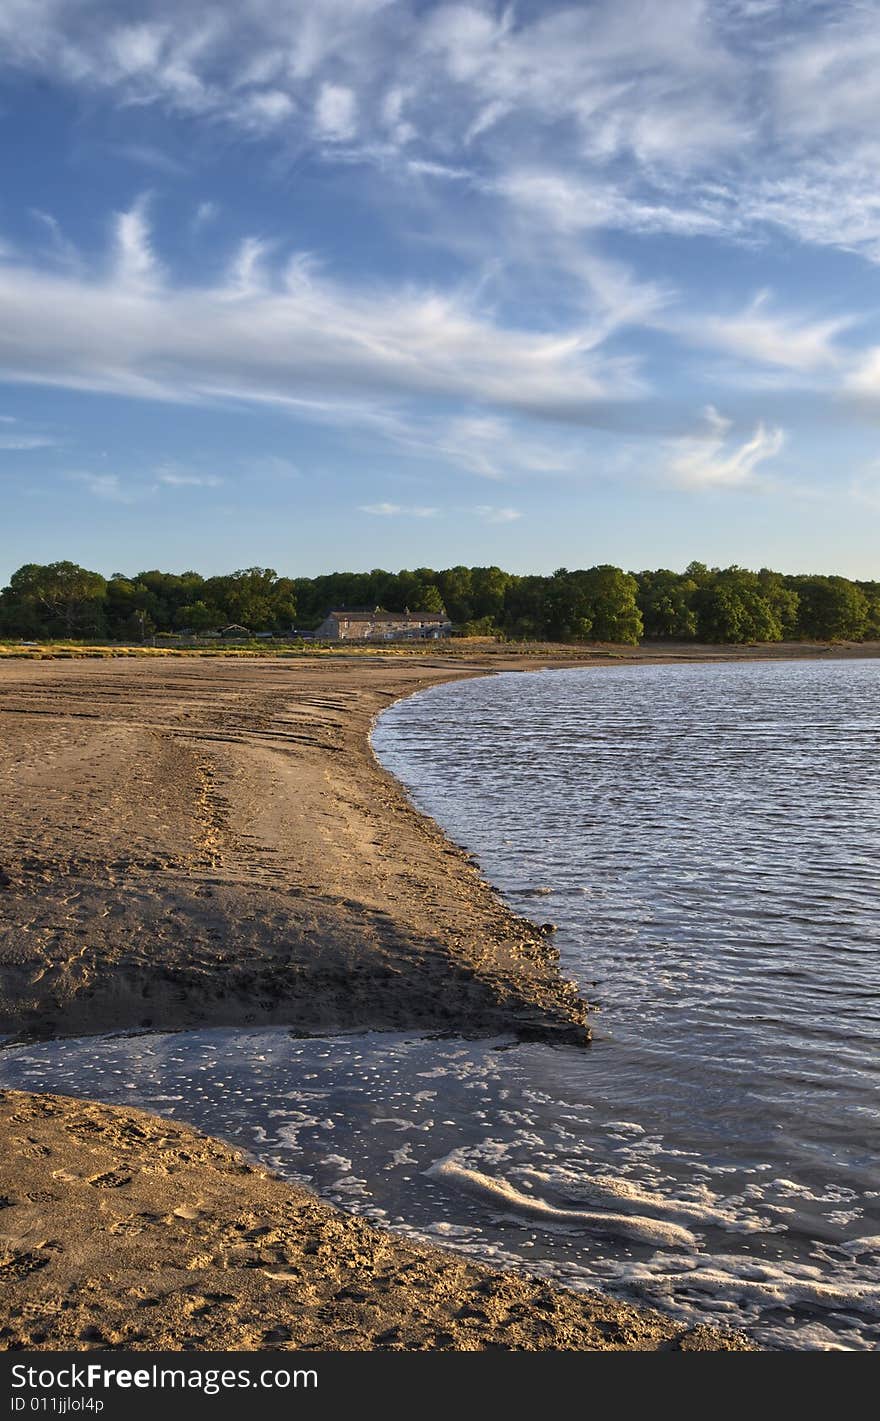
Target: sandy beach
(196, 842)
(213, 843)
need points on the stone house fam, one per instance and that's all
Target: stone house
(363, 624)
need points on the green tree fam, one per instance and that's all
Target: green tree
(569, 607)
(593, 604)
(666, 602)
(525, 608)
(488, 588)
(55, 599)
(456, 589)
(198, 617)
(613, 596)
(782, 600)
(253, 597)
(133, 609)
(427, 598)
(871, 591)
(699, 573)
(832, 607)
(732, 608)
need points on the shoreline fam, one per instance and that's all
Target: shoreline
(257, 866)
(246, 863)
(135, 1232)
(234, 814)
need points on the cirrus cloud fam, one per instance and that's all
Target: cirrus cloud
(285, 334)
(398, 510)
(706, 459)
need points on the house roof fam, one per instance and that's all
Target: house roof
(378, 614)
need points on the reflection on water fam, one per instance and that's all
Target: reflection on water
(710, 836)
(706, 838)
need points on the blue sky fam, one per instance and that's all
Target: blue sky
(324, 284)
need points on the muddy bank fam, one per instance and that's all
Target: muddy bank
(212, 843)
(124, 1231)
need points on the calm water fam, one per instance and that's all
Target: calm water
(706, 839)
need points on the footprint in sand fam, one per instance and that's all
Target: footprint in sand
(20, 1265)
(276, 1335)
(187, 1211)
(113, 1179)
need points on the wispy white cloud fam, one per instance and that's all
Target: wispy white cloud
(629, 78)
(864, 377)
(336, 113)
(488, 513)
(205, 213)
(180, 479)
(60, 248)
(624, 77)
(147, 155)
(825, 78)
(708, 459)
(706, 117)
(572, 203)
(393, 110)
(109, 487)
(136, 263)
(820, 200)
(287, 335)
(265, 110)
(493, 447)
(527, 131)
(769, 336)
(272, 466)
(398, 510)
(246, 274)
(21, 443)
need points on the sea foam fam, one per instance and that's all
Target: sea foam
(509, 1200)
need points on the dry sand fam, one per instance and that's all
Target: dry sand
(210, 842)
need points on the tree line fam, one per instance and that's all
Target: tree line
(732, 604)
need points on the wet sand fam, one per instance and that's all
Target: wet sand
(210, 842)
(124, 1231)
(202, 842)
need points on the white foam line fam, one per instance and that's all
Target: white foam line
(733, 1278)
(602, 1189)
(499, 1192)
(870, 1244)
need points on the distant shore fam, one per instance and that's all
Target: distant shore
(192, 842)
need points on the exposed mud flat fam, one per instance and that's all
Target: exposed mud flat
(192, 843)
